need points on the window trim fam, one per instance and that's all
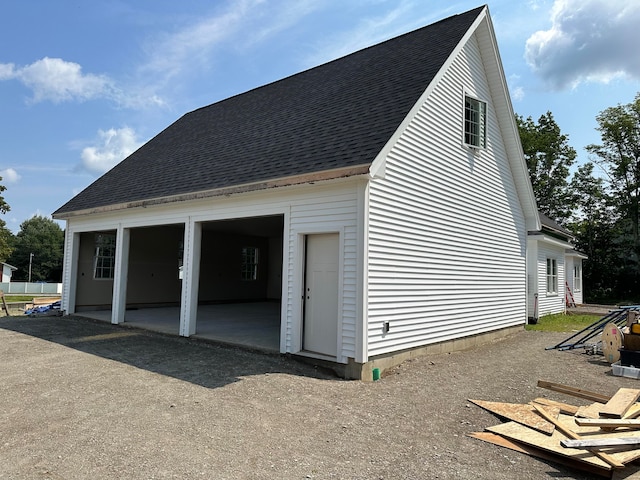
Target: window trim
(552, 276)
(104, 256)
(577, 278)
(480, 132)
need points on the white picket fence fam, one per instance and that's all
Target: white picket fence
(31, 288)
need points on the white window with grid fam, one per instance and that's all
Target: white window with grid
(577, 278)
(475, 122)
(104, 259)
(249, 265)
(552, 276)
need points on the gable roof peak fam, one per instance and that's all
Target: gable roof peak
(334, 117)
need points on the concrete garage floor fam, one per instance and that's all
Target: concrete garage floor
(255, 324)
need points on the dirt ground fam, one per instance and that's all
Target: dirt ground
(80, 399)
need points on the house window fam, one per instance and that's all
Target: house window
(475, 122)
(577, 278)
(552, 276)
(249, 267)
(104, 260)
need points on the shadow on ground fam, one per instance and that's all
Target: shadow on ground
(203, 363)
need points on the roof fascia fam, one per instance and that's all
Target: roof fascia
(506, 119)
(378, 165)
(326, 175)
(550, 240)
(577, 254)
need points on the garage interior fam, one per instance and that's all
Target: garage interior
(240, 285)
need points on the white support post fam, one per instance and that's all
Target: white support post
(362, 288)
(70, 276)
(190, 277)
(119, 302)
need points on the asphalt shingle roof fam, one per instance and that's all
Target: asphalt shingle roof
(336, 115)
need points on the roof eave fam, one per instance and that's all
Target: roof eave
(308, 178)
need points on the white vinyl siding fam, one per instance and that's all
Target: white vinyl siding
(327, 210)
(306, 209)
(574, 277)
(550, 302)
(447, 234)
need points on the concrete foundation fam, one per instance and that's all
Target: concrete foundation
(364, 371)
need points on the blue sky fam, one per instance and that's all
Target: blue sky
(84, 83)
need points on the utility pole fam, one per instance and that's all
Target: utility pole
(30, 262)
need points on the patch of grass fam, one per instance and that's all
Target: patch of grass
(561, 322)
(18, 298)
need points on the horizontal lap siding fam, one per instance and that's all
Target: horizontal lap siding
(446, 230)
(328, 210)
(550, 303)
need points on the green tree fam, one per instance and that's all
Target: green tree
(6, 241)
(595, 226)
(4, 206)
(43, 238)
(6, 237)
(548, 157)
(619, 157)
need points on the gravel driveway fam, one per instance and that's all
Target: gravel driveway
(89, 400)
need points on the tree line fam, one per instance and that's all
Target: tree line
(37, 249)
(599, 204)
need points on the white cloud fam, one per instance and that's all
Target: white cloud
(369, 31)
(114, 146)
(57, 80)
(589, 41)
(241, 24)
(7, 71)
(193, 44)
(9, 176)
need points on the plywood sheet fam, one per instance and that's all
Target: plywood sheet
(590, 411)
(517, 432)
(528, 436)
(523, 414)
(539, 453)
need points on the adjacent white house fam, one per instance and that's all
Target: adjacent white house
(7, 272)
(380, 202)
(554, 270)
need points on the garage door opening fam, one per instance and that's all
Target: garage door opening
(239, 288)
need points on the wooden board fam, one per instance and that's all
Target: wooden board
(574, 392)
(611, 342)
(590, 411)
(5, 307)
(622, 401)
(601, 442)
(539, 453)
(573, 435)
(633, 412)
(551, 443)
(563, 407)
(520, 433)
(523, 414)
(609, 422)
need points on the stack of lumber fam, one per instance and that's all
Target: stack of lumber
(602, 437)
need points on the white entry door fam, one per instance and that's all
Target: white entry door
(320, 332)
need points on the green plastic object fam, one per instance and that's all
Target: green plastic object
(376, 374)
